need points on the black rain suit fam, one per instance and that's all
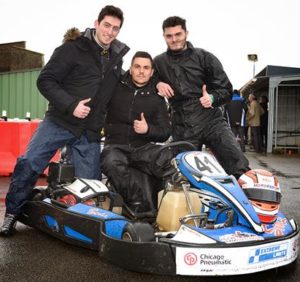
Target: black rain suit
(186, 71)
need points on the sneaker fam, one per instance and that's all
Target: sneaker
(8, 226)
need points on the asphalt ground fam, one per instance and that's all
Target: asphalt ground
(31, 255)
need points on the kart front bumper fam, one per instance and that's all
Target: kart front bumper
(175, 258)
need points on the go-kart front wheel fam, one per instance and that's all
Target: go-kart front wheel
(138, 232)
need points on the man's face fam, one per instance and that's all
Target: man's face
(107, 30)
(141, 71)
(175, 37)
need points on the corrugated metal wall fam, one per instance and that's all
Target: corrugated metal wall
(19, 95)
(286, 120)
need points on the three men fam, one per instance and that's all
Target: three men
(79, 81)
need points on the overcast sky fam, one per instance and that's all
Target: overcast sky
(230, 29)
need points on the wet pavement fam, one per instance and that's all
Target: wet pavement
(31, 255)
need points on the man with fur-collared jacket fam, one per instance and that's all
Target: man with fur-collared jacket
(78, 82)
(137, 119)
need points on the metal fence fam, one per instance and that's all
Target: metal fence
(284, 117)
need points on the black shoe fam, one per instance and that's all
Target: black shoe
(9, 224)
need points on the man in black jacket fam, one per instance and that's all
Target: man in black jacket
(78, 82)
(136, 119)
(196, 85)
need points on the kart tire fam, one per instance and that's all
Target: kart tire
(138, 232)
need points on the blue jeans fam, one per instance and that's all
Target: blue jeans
(48, 138)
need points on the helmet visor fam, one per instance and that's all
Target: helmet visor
(263, 195)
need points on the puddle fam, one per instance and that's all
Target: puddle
(277, 172)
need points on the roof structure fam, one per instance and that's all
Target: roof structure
(261, 81)
(15, 57)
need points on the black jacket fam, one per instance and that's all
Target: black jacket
(126, 105)
(76, 72)
(187, 71)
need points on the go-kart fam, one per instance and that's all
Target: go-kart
(205, 224)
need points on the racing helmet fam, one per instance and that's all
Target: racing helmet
(263, 190)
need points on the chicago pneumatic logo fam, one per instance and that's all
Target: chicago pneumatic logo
(190, 259)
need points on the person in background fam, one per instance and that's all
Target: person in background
(253, 117)
(263, 101)
(137, 118)
(235, 112)
(196, 85)
(78, 82)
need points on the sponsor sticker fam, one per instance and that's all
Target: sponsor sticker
(268, 253)
(190, 258)
(277, 229)
(238, 260)
(239, 236)
(97, 212)
(193, 261)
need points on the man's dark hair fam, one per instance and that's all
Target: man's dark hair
(142, 54)
(112, 11)
(174, 21)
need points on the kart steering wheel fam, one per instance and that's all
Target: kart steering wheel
(161, 165)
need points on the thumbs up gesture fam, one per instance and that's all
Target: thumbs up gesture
(206, 99)
(81, 110)
(140, 126)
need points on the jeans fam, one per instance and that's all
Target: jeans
(48, 138)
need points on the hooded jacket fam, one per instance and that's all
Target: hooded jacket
(126, 105)
(76, 71)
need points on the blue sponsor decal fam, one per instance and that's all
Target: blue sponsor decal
(70, 232)
(94, 212)
(51, 222)
(267, 253)
(114, 223)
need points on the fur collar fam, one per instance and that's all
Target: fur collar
(71, 34)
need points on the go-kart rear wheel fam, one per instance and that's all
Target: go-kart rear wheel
(138, 232)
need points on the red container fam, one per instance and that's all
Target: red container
(14, 138)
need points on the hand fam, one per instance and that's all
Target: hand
(205, 100)
(140, 126)
(165, 90)
(81, 110)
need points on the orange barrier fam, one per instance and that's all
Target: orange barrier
(14, 138)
